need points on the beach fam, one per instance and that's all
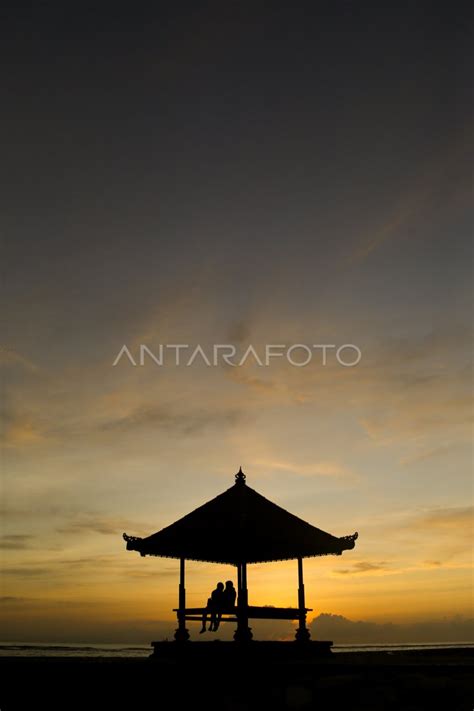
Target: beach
(216, 677)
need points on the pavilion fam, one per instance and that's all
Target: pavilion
(239, 527)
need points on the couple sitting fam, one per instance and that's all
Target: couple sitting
(222, 600)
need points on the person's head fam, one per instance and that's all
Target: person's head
(229, 584)
(220, 586)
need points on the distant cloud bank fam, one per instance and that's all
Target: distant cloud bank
(344, 631)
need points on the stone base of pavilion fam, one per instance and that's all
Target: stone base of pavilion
(258, 650)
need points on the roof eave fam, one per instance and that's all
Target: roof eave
(134, 543)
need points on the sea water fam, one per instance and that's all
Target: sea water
(41, 649)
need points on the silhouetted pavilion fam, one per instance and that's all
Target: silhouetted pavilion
(239, 527)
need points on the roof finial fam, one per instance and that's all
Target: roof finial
(240, 477)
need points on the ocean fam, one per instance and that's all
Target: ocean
(38, 649)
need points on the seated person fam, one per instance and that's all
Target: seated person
(228, 603)
(214, 606)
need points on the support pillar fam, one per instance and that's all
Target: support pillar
(181, 634)
(239, 580)
(243, 633)
(302, 633)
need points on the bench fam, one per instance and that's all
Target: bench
(251, 612)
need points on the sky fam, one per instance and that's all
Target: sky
(247, 174)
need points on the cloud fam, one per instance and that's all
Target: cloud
(420, 539)
(438, 342)
(263, 385)
(418, 396)
(420, 200)
(64, 568)
(15, 542)
(128, 573)
(8, 356)
(26, 572)
(323, 468)
(184, 422)
(91, 629)
(344, 631)
(404, 390)
(458, 520)
(46, 603)
(409, 416)
(13, 600)
(46, 510)
(23, 431)
(102, 525)
(95, 560)
(278, 384)
(383, 233)
(239, 331)
(363, 567)
(7, 512)
(431, 453)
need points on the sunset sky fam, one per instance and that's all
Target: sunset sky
(235, 173)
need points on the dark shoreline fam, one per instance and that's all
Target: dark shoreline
(401, 680)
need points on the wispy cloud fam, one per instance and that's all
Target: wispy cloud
(26, 572)
(13, 600)
(8, 356)
(240, 331)
(103, 525)
(145, 574)
(458, 520)
(167, 418)
(23, 431)
(15, 542)
(317, 468)
(431, 453)
(363, 567)
(415, 202)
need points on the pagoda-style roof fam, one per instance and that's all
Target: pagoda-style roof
(240, 525)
